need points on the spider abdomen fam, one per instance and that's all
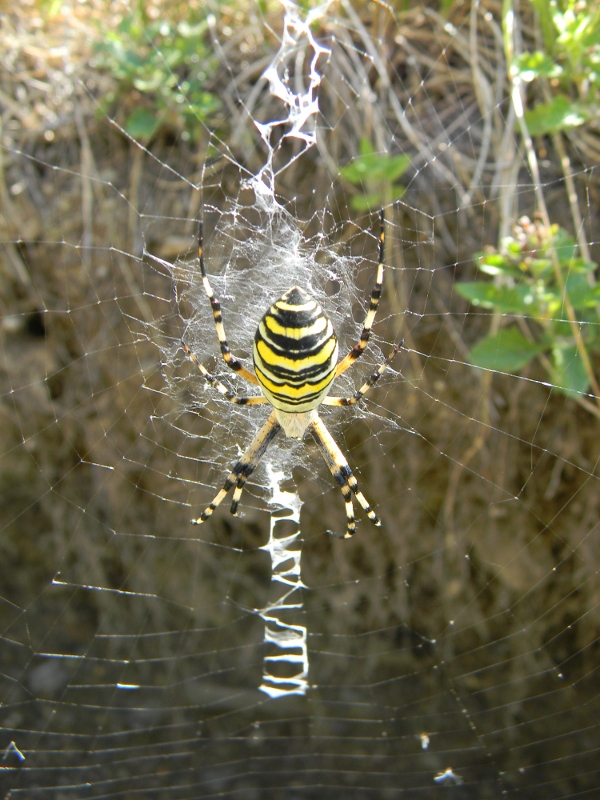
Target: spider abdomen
(295, 353)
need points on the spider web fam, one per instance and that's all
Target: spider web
(453, 651)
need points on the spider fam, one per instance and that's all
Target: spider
(295, 356)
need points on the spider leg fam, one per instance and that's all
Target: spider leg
(350, 401)
(237, 494)
(220, 387)
(360, 346)
(342, 475)
(243, 468)
(228, 357)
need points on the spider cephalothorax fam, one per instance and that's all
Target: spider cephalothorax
(295, 360)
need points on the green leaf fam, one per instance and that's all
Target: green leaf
(374, 166)
(568, 374)
(142, 124)
(559, 114)
(393, 167)
(495, 264)
(580, 265)
(581, 294)
(507, 351)
(544, 10)
(507, 300)
(513, 248)
(564, 245)
(533, 65)
(540, 267)
(359, 169)
(368, 202)
(203, 104)
(149, 82)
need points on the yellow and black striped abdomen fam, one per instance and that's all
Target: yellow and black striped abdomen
(295, 353)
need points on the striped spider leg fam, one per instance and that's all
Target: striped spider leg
(371, 381)
(334, 457)
(228, 356)
(247, 464)
(360, 347)
(295, 355)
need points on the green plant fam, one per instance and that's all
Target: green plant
(536, 272)
(374, 173)
(571, 34)
(168, 64)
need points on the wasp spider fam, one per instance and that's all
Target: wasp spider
(295, 361)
